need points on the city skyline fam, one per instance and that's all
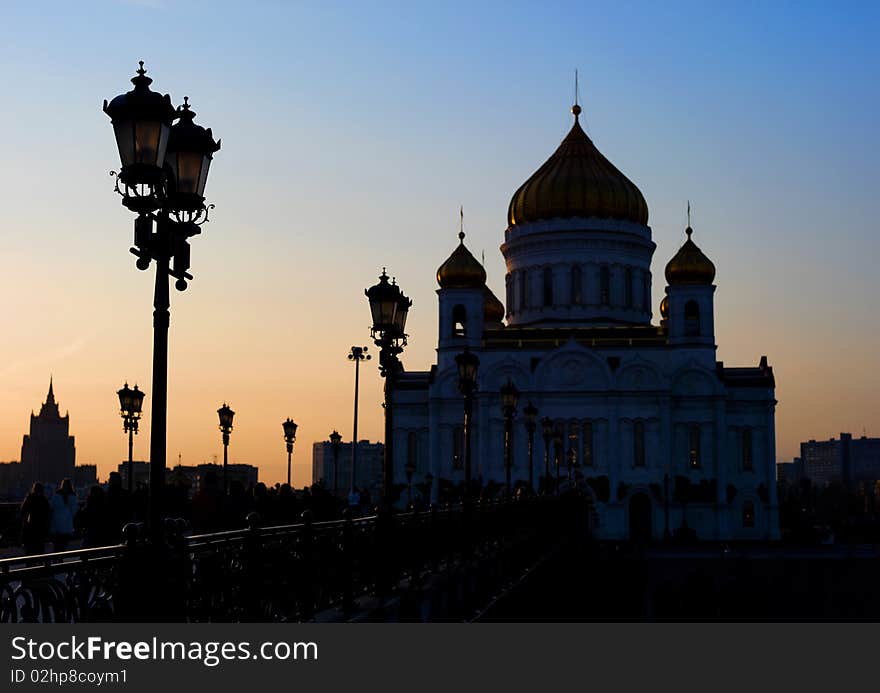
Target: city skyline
(381, 142)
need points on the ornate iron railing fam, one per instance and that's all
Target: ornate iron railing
(450, 560)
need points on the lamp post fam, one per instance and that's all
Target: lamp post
(357, 354)
(557, 451)
(335, 444)
(130, 404)
(666, 534)
(389, 309)
(547, 433)
(509, 398)
(410, 469)
(467, 363)
(162, 178)
(225, 414)
(531, 415)
(289, 428)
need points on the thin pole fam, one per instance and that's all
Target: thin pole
(532, 459)
(466, 435)
(289, 451)
(130, 460)
(161, 321)
(354, 437)
(508, 433)
(225, 463)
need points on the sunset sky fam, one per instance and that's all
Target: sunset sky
(351, 135)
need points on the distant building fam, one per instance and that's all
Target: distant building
(48, 452)
(369, 466)
(843, 460)
(14, 481)
(790, 473)
(193, 477)
(84, 477)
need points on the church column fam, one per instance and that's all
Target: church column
(722, 460)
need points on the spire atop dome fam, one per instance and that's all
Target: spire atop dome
(577, 181)
(690, 265)
(461, 269)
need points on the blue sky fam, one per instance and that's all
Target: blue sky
(351, 135)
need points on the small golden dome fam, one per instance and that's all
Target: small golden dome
(493, 309)
(577, 181)
(690, 265)
(461, 270)
(664, 307)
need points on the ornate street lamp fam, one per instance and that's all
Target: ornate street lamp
(357, 354)
(164, 169)
(389, 308)
(509, 398)
(468, 363)
(410, 469)
(225, 414)
(531, 415)
(557, 450)
(289, 428)
(335, 444)
(547, 433)
(130, 404)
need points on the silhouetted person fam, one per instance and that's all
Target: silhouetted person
(287, 505)
(93, 519)
(118, 507)
(262, 503)
(206, 505)
(35, 513)
(64, 508)
(237, 505)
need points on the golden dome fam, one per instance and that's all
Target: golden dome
(461, 270)
(690, 265)
(577, 181)
(664, 307)
(493, 309)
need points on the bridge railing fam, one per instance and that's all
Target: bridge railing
(284, 573)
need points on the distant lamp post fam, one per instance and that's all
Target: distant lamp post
(410, 469)
(357, 354)
(547, 433)
(289, 428)
(557, 451)
(509, 398)
(130, 404)
(531, 416)
(225, 414)
(162, 178)
(389, 308)
(468, 363)
(335, 444)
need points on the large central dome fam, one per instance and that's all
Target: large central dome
(577, 181)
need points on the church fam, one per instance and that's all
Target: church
(658, 434)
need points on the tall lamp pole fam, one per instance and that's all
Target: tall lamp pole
(531, 415)
(162, 178)
(225, 415)
(509, 397)
(468, 363)
(357, 354)
(289, 428)
(389, 308)
(547, 433)
(130, 405)
(335, 444)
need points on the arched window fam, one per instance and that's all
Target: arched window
(577, 286)
(747, 464)
(412, 449)
(548, 286)
(523, 290)
(457, 447)
(587, 438)
(691, 319)
(694, 446)
(459, 321)
(604, 285)
(748, 514)
(628, 289)
(639, 444)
